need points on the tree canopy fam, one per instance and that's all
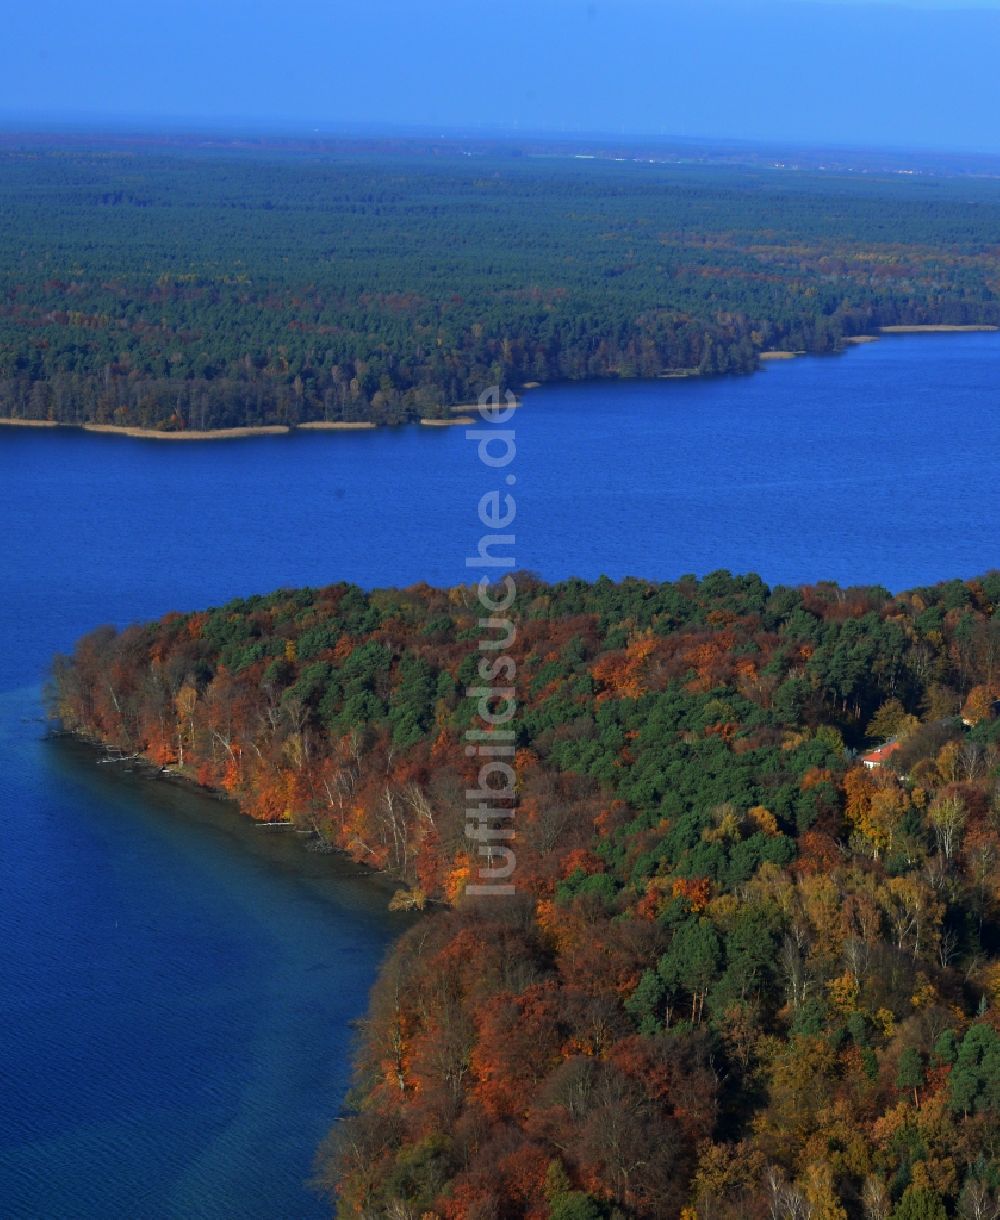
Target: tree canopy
(742, 975)
(188, 288)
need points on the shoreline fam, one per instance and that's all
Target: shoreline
(466, 407)
(335, 425)
(217, 434)
(460, 412)
(845, 343)
(155, 434)
(143, 771)
(940, 329)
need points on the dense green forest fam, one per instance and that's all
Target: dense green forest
(743, 976)
(180, 288)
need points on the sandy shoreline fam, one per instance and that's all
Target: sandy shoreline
(225, 434)
(219, 434)
(192, 434)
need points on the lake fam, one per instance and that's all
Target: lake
(177, 986)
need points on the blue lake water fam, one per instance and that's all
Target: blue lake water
(176, 986)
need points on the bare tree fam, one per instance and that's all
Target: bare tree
(793, 966)
(978, 1203)
(787, 1202)
(875, 1199)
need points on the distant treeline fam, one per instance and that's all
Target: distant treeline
(209, 290)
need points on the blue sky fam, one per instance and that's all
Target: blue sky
(917, 74)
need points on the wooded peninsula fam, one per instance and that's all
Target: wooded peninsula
(198, 289)
(751, 968)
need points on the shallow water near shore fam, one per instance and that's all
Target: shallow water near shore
(177, 992)
(176, 986)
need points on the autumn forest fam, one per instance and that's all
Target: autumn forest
(745, 976)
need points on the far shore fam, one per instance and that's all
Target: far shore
(935, 329)
(194, 434)
(462, 414)
(476, 409)
(337, 425)
(219, 434)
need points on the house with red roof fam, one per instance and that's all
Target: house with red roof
(881, 754)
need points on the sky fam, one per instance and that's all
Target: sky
(914, 74)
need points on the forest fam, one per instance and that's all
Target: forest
(186, 288)
(744, 976)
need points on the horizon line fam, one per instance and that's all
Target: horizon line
(13, 123)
